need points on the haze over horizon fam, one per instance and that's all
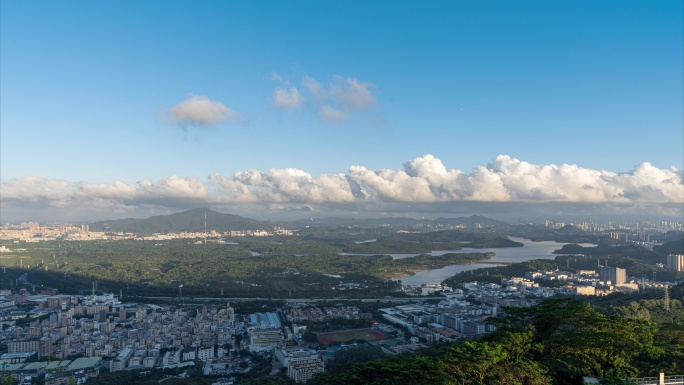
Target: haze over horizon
(312, 109)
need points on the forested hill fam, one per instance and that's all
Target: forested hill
(674, 247)
(190, 221)
(556, 342)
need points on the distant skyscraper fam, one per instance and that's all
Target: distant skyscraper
(675, 262)
(615, 275)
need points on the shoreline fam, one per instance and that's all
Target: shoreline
(482, 261)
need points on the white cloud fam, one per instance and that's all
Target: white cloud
(507, 179)
(287, 99)
(287, 185)
(335, 101)
(173, 186)
(276, 77)
(331, 114)
(444, 184)
(200, 111)
(351, 93)
(423, 182)
(31, 189)
(312, 86)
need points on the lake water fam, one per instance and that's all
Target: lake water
(530, 250)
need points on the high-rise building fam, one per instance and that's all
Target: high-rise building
(675, 262)
(615, 275)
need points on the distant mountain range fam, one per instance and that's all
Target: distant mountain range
(469, 222)
(188, 221)
(193, 221)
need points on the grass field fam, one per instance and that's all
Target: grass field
(349, 335)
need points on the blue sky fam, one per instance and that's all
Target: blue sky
(92, 93)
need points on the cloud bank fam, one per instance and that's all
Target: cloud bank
(199, 111)
(423, 184)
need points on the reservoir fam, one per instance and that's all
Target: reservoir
(505, 255)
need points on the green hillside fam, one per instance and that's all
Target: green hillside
(556, 342)
(190, 221)
(674, 247)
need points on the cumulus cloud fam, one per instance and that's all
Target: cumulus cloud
(199, 111)
(288, 185)
(334, 101)
(31, 189)
(570, 183)
(39, 192)
(287, 99)
(423, 184)
(173, 186)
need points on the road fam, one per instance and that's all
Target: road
(288, 299)
(23, 280)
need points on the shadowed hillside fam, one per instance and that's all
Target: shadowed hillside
(190, 221)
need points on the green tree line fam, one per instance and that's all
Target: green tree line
(556, 342)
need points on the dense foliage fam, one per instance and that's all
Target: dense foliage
(673, 247)
(556, 342)
(344, 359)
(568, 234)
(495, 273)
(284, 266)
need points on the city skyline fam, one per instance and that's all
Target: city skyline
(128, 109)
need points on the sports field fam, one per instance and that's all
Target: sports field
(349, 335)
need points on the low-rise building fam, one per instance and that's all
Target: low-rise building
(121, 360)
(264, 338)
(301, 364)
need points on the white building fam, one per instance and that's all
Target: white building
(675, 262)
(301, 364)
(614, 275)
(205, 354)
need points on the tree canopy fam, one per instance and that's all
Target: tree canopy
(556, 342)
